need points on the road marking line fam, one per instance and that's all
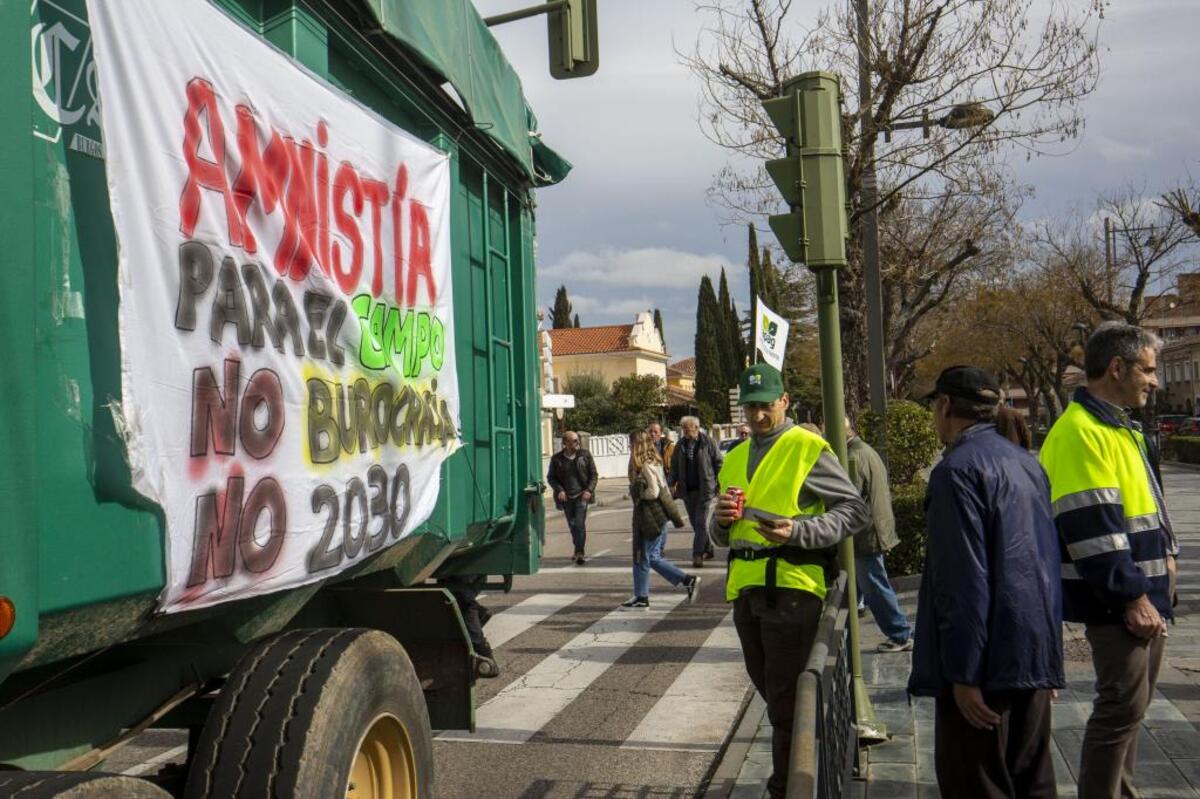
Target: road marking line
(157, 760)
(511, 622)
(702, 705)
(600, 553)
(523, 707)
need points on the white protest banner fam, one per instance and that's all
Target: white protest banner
(289, 389)
(771, 332)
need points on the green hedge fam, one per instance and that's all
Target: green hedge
(908, 504)
(911, 442)
(1183, 448)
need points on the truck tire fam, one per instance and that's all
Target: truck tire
(317, 713)
(75, 785)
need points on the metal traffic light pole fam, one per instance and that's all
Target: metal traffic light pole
(812, 179)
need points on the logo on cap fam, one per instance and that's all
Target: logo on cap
(756, 380)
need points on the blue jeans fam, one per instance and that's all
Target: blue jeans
(652, 558)
(576, 512)
(873, 586)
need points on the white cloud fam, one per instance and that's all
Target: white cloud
(660, 267)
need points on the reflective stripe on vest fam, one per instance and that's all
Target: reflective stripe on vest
(772, 494)
(1092, 463)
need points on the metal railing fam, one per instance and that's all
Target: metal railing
(824, 737)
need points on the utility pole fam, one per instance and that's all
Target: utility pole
(876, 362)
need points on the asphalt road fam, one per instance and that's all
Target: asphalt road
(592, 700)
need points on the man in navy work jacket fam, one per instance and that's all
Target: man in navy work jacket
(989, 635)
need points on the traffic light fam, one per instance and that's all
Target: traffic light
(574, 42)
(810, 177)
(788, 175)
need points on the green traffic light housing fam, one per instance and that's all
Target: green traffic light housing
(574, 39)
(811, 176)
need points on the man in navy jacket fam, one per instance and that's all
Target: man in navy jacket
(989, 635)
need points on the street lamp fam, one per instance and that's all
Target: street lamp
(962, 116)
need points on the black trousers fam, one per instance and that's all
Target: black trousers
(1011, 761)
(465, 590)
(775, 644)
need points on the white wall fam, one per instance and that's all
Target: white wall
(611, 454)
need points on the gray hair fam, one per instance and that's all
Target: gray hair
(689, 420)
(973, 411)
(1116, 340)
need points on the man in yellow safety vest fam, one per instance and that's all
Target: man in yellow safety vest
(1118, 547)
(798, 503)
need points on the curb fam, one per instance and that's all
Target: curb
(724, 777)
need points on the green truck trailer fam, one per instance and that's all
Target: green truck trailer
(324, 680)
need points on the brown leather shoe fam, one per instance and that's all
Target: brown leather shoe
(697, 561)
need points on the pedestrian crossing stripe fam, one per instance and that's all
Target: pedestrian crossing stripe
(508, 624)
(700, 708)
(695, 714)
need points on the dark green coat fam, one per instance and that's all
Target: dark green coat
(870, 478)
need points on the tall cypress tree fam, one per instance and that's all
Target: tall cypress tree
(768, 278)
(576, 321)
(736, 343)
(658, 323)
(754, 270)
(560, 311)
(725, 330)
(710, 370)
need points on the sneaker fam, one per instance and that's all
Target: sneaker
(691, 585)
(697, 561)
(636, 602)
(579, 560)
(895, 646)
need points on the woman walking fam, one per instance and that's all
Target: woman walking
(652, 508)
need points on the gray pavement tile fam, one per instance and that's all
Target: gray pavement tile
(1149, 750)
(891, 790)
(1064, 770)
(891, 781)
(1190, 768)
(1069, 743)
(1070, 715)
(899, 721)
(858, 789)
(900, 749)
(891, 669)
(926, 774)
(748, 790)
(1176, 743)
(928, 792)
(1162, 781)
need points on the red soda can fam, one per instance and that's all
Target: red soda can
(740, 496)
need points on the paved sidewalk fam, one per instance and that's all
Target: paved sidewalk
(1169, 745)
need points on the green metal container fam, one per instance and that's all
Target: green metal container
(81, 555)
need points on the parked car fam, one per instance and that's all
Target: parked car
(729, 444)
(1188, 427)
(1168, 422)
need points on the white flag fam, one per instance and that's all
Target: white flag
(771, 332)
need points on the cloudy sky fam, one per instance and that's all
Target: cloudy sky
(631, 228)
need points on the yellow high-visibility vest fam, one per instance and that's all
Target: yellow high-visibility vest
(773, 493)
(1088, 461)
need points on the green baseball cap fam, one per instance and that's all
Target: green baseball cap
(762, 382)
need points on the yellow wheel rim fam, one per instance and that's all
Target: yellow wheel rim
(384, 766)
